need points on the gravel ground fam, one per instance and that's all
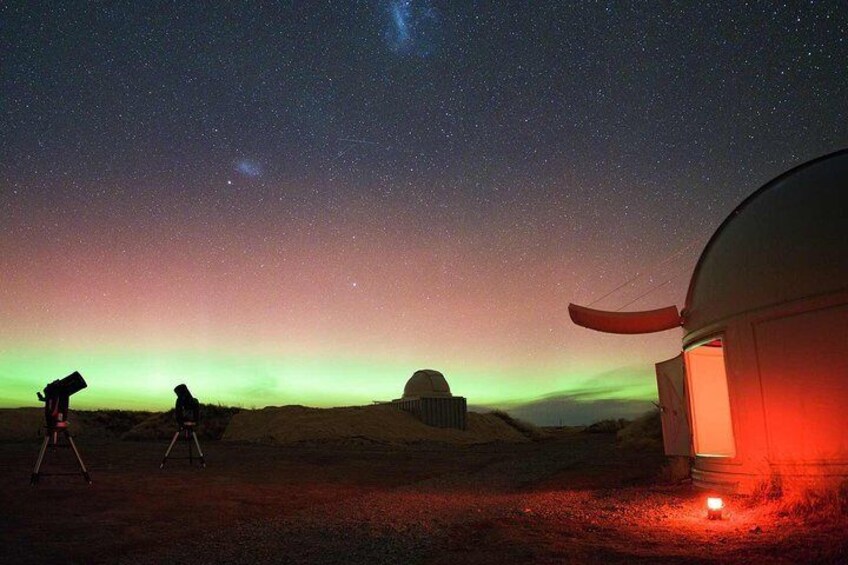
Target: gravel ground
(575, 498)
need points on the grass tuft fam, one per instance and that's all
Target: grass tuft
(608, 426)
(643, 433)
(817, 504)
(525, 428)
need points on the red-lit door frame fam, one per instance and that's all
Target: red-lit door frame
(692, 418)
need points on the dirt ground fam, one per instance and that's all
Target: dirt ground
(574, 498)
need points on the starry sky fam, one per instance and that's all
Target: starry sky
(304, 202)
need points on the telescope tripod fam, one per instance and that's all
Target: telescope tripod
(51, 437)
(187, 430)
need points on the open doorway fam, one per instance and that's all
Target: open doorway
(709, 400)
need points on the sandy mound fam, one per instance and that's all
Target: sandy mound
(19, 424)
(23, 424)
(367, 424)
(162, 425)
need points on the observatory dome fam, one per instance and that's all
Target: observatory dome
(787, 241)
(426, 383)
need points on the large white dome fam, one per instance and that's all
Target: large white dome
(426, 383)
(787, 241)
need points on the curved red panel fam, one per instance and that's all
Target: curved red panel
(625, 322)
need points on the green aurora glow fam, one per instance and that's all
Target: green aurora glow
(140, 380)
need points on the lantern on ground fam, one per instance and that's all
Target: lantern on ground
(714, 508)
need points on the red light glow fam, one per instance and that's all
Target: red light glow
(714, 506)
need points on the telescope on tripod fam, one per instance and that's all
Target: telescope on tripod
(56, 398)
(187, 414)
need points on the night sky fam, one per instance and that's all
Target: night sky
(304, 202)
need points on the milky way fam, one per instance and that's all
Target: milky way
(412, 28)
(249, 168)
(305, 203)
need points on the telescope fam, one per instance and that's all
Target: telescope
(57, 396)
(187, 413)
(187, 409)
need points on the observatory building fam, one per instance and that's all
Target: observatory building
(760, 390)
(428, 397)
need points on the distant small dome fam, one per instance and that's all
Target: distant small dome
(426, 383)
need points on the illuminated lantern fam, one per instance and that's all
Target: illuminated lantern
(714, 508)
(761, 388)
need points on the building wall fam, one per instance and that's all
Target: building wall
(438, 412)
(804, 377)
(788, 388)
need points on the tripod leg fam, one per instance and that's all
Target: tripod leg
(34, 478)
(79, 459)
(170, 447)
(188, 435)
(200, 451)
